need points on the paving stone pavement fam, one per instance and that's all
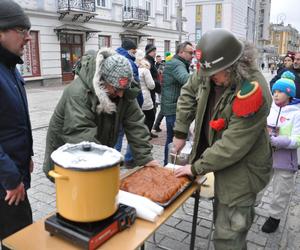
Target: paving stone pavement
(175, 233)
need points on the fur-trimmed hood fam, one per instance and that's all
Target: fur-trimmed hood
(105, 104)
(89, 71)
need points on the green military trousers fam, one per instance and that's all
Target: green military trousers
(232, 225)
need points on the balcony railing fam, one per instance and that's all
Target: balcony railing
(135, 14)
(78, 5)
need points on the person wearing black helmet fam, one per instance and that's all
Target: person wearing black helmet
(229, 100)
(15, 131)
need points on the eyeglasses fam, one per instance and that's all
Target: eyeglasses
(23, 32)
(189, 52)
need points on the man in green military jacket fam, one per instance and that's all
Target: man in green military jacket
(93, 106)
(229, 100)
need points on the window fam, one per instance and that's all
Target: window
(176, 44)
(198, 15)
(198, 34)
(218, 15)
(150, 41)
(250, 25)
(148, 8)
(167, 46)
(260, 31)
(104, 41)
(131, 3)
(31, 57)
(71, 52)
(102, 3)
(198, 31)
(166, 9)
(277, 37)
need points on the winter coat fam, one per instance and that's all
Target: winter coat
(240, 153)
(175, 75)
(15, 129)
(147, 84)
(84, 114)
(135, 71)
(288, 121)
(155, 76)
(296, 72)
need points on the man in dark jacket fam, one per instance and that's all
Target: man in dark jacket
(128, 50)
(15, 130)
(159, 64)
(175, 75)
(295, 70)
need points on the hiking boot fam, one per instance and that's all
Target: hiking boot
(270, 225)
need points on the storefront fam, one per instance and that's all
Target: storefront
(31, 66)
(71, 52)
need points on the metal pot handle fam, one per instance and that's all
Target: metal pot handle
(55, 175)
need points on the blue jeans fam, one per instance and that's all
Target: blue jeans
(118, 146)
(170, 122)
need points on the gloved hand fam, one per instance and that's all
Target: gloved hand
(280, 141)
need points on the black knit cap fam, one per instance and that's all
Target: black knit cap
(149, 48)
(128, 44)
(12, 15)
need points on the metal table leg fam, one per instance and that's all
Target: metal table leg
(195, 216)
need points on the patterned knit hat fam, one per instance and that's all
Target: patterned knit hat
(116, 70)
(12, 15)
(286, 84)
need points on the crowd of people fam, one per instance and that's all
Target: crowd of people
(239, 132)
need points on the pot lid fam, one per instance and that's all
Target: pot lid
(86, 156)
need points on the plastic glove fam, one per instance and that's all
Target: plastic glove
(280, 141)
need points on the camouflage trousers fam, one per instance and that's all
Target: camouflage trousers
(232, 225)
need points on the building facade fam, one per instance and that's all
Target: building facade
(284, 38)
(63, 30)
(237, 16)
(263, 9)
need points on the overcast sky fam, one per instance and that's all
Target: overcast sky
(287, 11)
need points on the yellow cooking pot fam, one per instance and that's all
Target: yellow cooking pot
(87, 181)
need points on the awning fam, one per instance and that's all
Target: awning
(69, 28)
(133, 33)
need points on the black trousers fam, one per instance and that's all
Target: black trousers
(149, 118)
(13, 218)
